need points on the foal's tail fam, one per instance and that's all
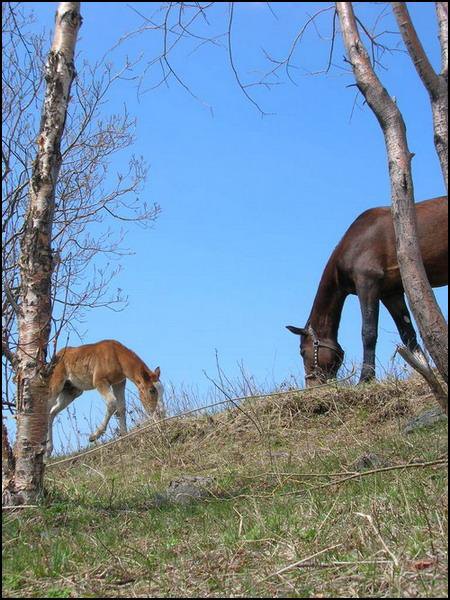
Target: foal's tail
(56, 371)
(55, 360)
(52, 364)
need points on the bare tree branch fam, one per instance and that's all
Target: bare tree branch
(436, 85)
(415, 48)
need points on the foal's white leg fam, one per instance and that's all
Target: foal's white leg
(119, 392)
(65, 397)
(111, 407)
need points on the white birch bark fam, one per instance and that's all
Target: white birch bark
(36, 264)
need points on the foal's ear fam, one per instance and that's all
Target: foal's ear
(157, 372)
(297, 330)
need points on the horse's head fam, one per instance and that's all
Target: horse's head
(152, 390)
(322, 358)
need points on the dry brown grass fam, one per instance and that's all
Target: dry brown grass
(287, 419)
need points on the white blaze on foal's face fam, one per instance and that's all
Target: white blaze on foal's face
(160, 390)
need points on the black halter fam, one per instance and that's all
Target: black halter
(317, 344)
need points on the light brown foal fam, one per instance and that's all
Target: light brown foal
(104, 366)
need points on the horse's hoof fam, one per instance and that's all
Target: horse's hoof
(366, 380)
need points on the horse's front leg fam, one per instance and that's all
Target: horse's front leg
(370, 309)
(111, 406)
(121, 413)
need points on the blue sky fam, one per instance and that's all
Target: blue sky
(252, 207)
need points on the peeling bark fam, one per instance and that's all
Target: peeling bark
(36, 263)
(430, 320)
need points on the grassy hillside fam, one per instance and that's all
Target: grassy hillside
(285, 515)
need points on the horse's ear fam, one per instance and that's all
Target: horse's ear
(297, 330)
(157, 372)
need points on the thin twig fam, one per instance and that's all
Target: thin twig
(380, 470)
(230, 399)
(304, 560)
(378, 534)
(20, 506)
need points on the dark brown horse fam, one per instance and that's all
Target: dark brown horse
(365, 263)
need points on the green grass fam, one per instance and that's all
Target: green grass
(273, 503)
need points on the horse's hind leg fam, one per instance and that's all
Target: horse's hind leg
(56, 399)
(119, 392)
(64, 398)
(111, 406)
(398, 310)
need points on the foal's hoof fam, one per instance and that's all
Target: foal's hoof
(92, 438)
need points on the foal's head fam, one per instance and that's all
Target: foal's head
(322, 358)
(151, 390)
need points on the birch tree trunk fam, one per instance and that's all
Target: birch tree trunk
(430, 320)
(436, 85)
(36, 266)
